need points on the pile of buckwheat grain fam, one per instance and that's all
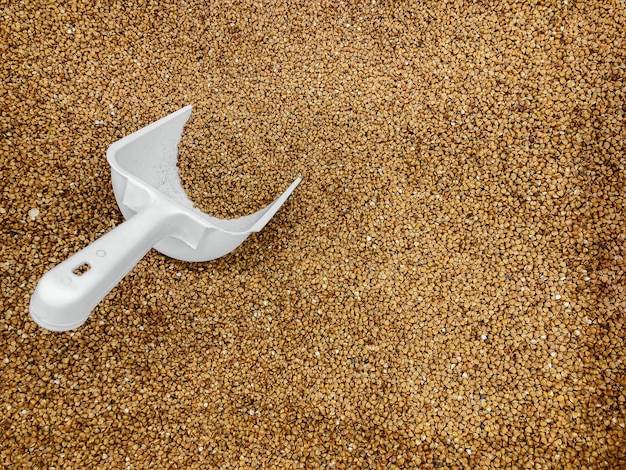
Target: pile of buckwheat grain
(444, 290)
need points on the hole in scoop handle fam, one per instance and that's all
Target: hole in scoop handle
(64, 297)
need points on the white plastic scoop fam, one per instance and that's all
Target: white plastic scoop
(158, 214)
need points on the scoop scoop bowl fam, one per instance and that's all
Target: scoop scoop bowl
(158, 215)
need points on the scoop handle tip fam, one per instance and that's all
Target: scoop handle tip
(67, 293)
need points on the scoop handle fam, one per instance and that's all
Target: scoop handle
(67, 293)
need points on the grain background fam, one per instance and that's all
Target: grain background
(444, 290)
